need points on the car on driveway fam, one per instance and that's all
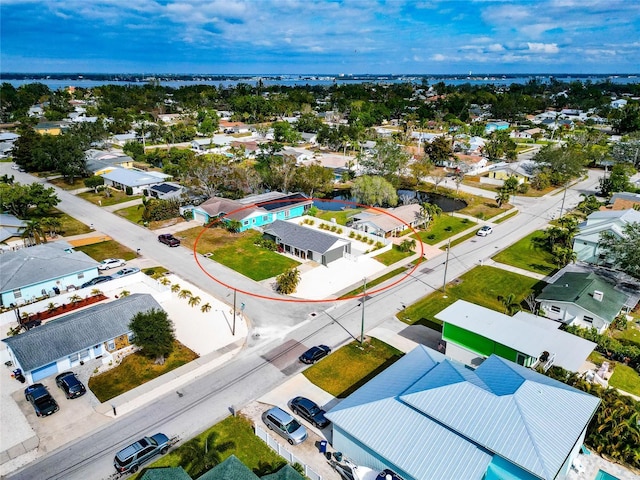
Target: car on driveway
(310, 411)
(108, 263)
(169, 239)
(314, 354)
(42, 401)
(484, 231)
(129, 459)
(125, 271)
(97, 280)
(284, 425)
(70, 385)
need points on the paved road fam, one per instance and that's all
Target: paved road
(285, 329)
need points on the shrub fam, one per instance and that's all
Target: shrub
(128, 191)
(523, 188)
(352, 234)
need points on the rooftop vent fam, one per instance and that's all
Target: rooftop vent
(598, 295)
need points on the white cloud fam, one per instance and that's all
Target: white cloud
(495, 47)
(438, 57)
(543, 47)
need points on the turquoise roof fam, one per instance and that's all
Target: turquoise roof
(167, 473)
(231, 469)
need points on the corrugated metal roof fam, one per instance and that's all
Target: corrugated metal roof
(302, 237)
(134, 178)
(448, 414)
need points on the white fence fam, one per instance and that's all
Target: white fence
(283, 452)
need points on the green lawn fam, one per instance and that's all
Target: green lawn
(62, 183)
(133, 213)
(392, 256)
(376, 281)
(441, 228)
(464, 238)
(481, 285)
(631, 334)
(341, 216)
(155, 272)
(625, 378)
(68, 225)
(527, 254)
(506, 217)
(108, 249)
(238, 252)
(350, 367)
(249, 449)
(135, 370)
(101, 199)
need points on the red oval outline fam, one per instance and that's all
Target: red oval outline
(304, 300)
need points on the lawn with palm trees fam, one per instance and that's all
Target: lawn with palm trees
(529, 253)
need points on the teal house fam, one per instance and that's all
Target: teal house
(255, 210)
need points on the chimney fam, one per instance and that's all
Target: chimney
(597, 295)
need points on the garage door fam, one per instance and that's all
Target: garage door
(43, 372)
(200, 216)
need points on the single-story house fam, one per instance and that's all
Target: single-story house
(8, 137)
(29, 273)
(94, 332)
(11, 229)
(307, 243)
(388, 222)
(472, 331)
(205, 144)
(470, 164)
(504, 172)
(619, 103)
(623, 201)
(137, 180)
(586, 243)
(529, 133)
(582, 299)
(51, 128)
(297, 154)
(311, 138)
(122, 138)
(255, 210)
(164, 191)
(427, 416)
(250, 147)
(100, 161)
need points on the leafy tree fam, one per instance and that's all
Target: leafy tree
(439, 150)
(134, 149)
(51, 224)
(199, 455)
(388, 160)
(627, 150)
(209, 174)
(617, 181)
(309, 123)
(285, 133)
(561, 163)
(312, 179)
(208, 122)
(374, 190)
(407, 245)
(33, 233)
(589, 204)
(627, 119)
(500, 145)
(288, 281)
(22, 200)
(153, 332)
(625, 250)
(94, 182)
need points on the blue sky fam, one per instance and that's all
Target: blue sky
(320, 36)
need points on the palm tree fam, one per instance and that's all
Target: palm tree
(428, 211)
(287, 282)
(52, 224)
(194, 301)
(75, 298)
(175, 288)
(125, 293)
(185, 294)
(199, 455)
(33, 233)
(51, 306)
(96, 291)
(164, 281)
(503, 197)
(510, 305)
(206, 308)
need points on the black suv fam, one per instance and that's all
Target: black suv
(70, 385)
(42, 401)
(130, 458)
(169, 239)
(310, 411)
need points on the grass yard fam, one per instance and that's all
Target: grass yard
(377, 281)
(464, 238)
(117, 196)
(133, 214)
(527, 254)
(341, 216)
(62, 183)
(506, 217)
(135, 370)
(108, 249)
(631, 334)
(155, 272)
(238, 252)
(441, 228)
(481, 285)
(392, 256)
(625, 378)
(68, 225)
(249, 449)
(350, 367)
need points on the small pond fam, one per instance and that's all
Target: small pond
(447, 204)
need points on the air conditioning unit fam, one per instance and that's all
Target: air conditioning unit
(598, 295)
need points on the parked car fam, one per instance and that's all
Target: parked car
(70, 385)
(387, 474)
(310, 411)
(97, 280)
(484, 231)
(314, 354)
(129, 459)
(125, 271)
(169, 239)
(284, 425)
(42, 401)
(108, 263)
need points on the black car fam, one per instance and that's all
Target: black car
(169, 239)
(129, 459)
(315, 353)
(42, 401)
(310, 411)
(387, 474)
(70, 385)
(97, 280)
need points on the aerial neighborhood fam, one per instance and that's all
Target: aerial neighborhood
(390, 279)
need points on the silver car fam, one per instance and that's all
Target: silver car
(284, 425)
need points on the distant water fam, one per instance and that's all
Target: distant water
(61, 83)
(341, 199)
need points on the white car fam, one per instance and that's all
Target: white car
(484, 231)
(108, 263)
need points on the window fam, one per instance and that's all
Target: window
(80, 275)
(111, 345)
(265, 218)
(253, 220)
(286, 214)
(84, 354)
(587, 319)
(130, 336)
(17, 293)
(74, 358)
(555, 309)
(246, 222)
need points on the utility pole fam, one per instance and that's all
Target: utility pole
(364, 295)
(233, 329)
(446, 264)
(564, 195)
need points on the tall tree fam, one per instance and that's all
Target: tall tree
(199, 455)
(153, 332)
(624, 250)
(439, 150)
(388, 160)
(374, 190)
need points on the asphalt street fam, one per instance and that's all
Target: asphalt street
(281, 330)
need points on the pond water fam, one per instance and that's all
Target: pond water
(447, 204)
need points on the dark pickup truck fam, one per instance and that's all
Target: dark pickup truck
(43, 403)
(169, 239)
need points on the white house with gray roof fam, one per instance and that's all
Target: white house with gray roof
(94, 332)
(136, 180)
(429, 417)
(33, 272)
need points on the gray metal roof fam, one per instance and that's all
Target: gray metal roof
(435, 418)
(523, 332)
(37, 264)
(134, 178)
(77, 331)
(302, 237)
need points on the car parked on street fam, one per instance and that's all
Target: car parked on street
(70, 385)
(484, 231)
(314, 354)
(125, 271)
(129, 459)
(169, 239)
(284, 425)
(97, 280)
(310, 411)
(42, 401)
(108, 263)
